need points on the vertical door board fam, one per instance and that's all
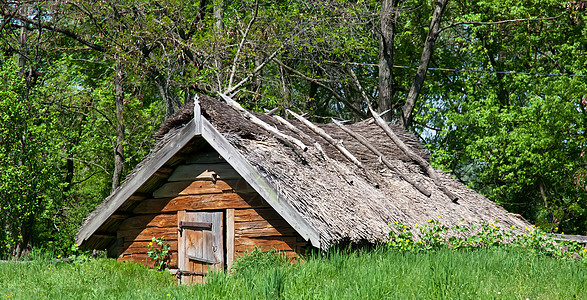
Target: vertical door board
(229, 238)
(202, 249)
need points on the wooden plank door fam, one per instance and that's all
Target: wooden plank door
(200, 244)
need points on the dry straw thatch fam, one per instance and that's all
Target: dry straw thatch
(342, 201)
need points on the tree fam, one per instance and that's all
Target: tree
(516, 137)
(28, 185)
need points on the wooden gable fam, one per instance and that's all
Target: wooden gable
(204, 188)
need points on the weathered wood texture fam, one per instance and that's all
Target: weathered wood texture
(200, 187)
(204, 172)
(141, 247)
(259, 183)
(152, 220)
(229, 221)
(200, 250)
(120, 196)
(200, 202)
(280, 243)
(246, 220)
(265, 229)
(210, 157)
(259, 214)
(145, 234)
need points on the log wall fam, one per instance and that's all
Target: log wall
(206, 186)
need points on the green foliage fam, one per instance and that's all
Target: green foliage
(434, 236)
(95, 279)
(519, 139)
(444, 274)
(159, 252)
(77, 256)
(29, 184)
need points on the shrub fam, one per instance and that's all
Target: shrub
(158, 251)
(434, 235)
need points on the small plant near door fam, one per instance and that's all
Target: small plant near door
(158, 251)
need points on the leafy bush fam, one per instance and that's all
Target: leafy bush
(159, 253)
(434, 235)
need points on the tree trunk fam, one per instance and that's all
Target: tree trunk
(24, 245)
(23, 58)
(119, 99)
(424, 62)
(389, 10)
(218, 15)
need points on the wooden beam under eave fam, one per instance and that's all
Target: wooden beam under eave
(120, 216)
(263, 188)
(104, 235)
(139, 196)
(164, 172)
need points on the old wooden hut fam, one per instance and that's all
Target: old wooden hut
(222, 180)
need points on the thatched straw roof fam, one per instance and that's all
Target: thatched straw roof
(336, 199)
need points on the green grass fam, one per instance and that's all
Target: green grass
(379, 274)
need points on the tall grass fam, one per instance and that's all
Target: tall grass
(379, 274)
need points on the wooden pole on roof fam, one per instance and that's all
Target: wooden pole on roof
(382, 158)
(415, 157)
(400, 144)
(291, 127)
(337, 144)
(264, 125)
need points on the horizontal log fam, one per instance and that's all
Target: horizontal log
(258, 214)
(164, 172)
(146, 260)
(205, 157)
(141, 247)
(201, 187)
(120, 216)
(146, 234)
(104, 235)
(243, 244)
(152, 220)
(200, 202)
(263, 229)
(138, 197)
(204, 172)
(569, 237)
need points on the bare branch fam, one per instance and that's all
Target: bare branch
(358, 84)
(427, 52)
(54, 28)
(92, 164)
(318, 82)
(337, 144)
(7, 20)
(252, 74)
(498, 22)
(415, 157)
(240, 46)
(263, 124)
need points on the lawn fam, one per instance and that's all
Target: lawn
(376, 274)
